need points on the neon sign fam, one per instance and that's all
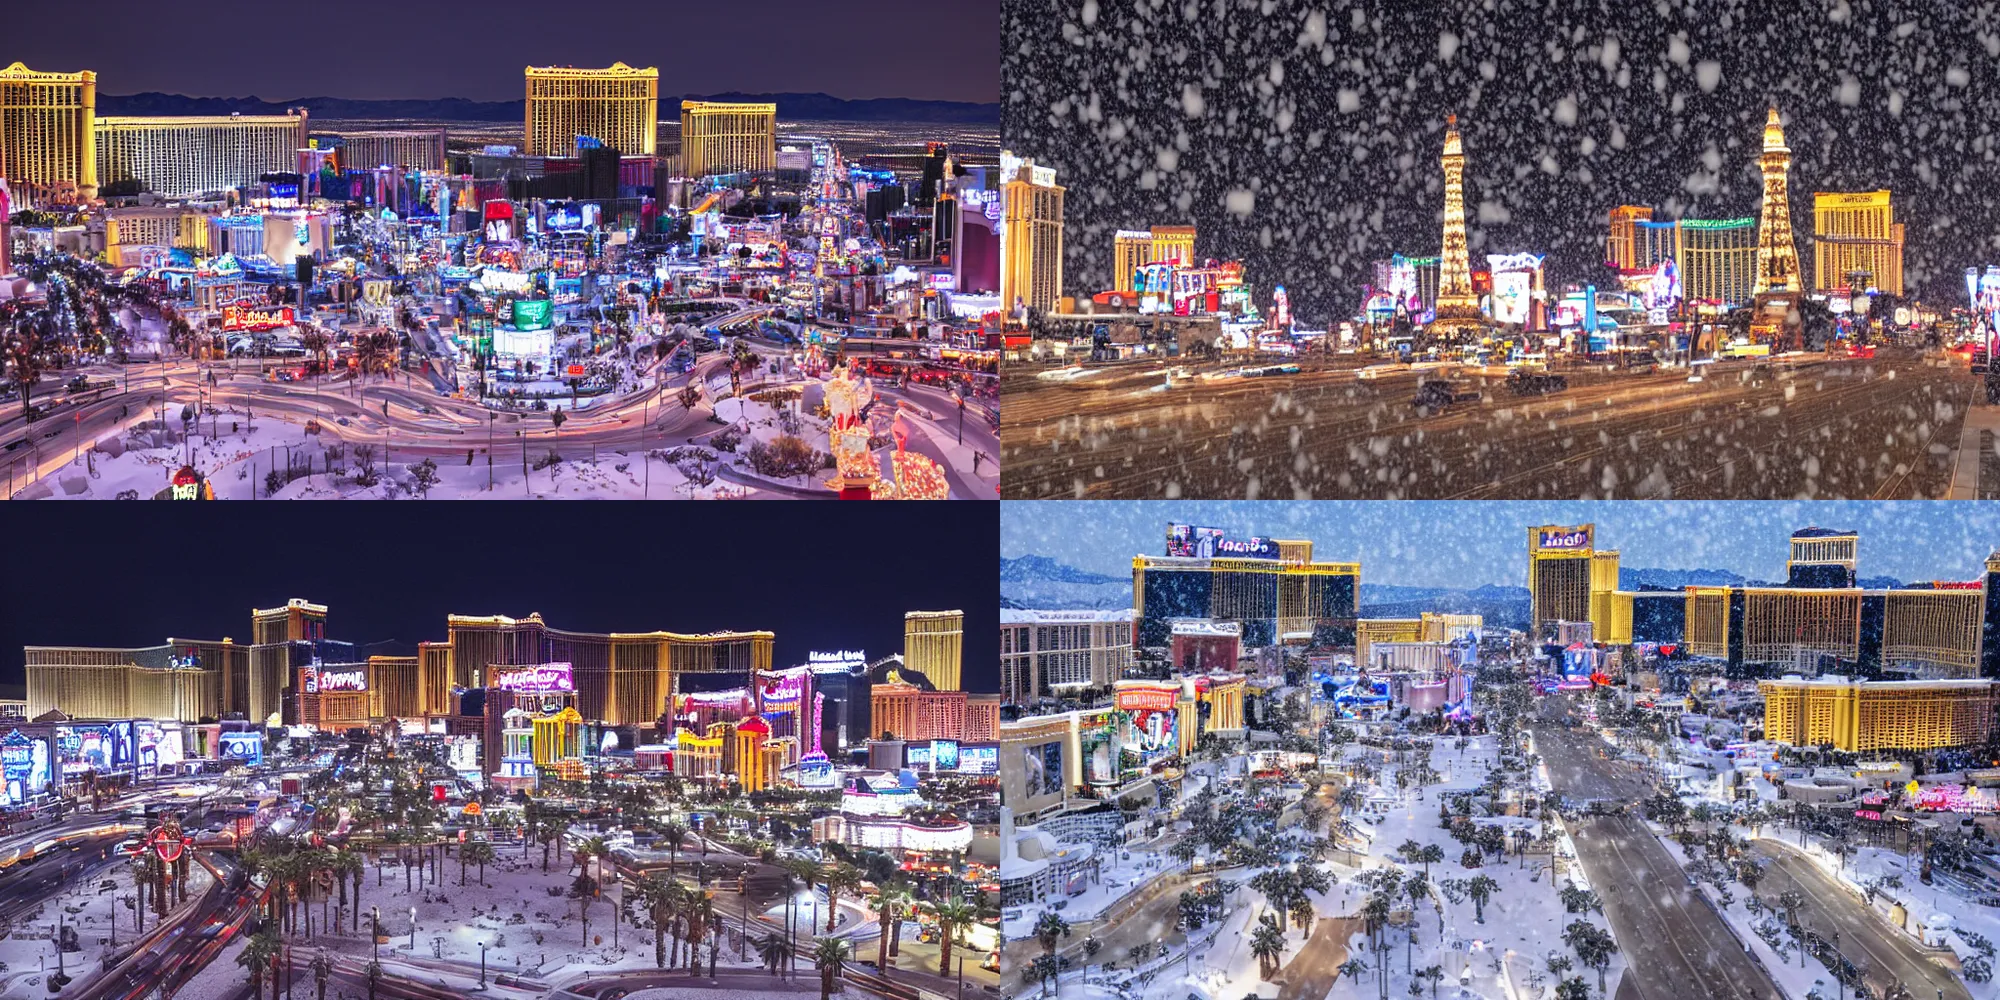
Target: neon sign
(836, 661)
(343, 680)
(548, 678)
(1565, 538)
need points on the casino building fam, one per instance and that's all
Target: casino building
(1271, 587)
(1049, 654)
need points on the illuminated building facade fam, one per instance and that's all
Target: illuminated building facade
(1864, 717)
(48, 145)
(1777, 252)
(1822, 557)
(135, 235)
(1718, 259)
(180, 680)
(410, 149)
(620, 678)
(932, 644)
(1431, 627)
(1457, 303)
(1621, 246)
(1132, 249)
(1050, 654)
(1856, 233)
(1654, 242)
(618, 107)
(904, 711)
(1571, 580)
(1273, 599)
(188, 155)
(721, 138)
(1031, 235)
(748, 743)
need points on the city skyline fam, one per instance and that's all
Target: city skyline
(1463, 545)
(803, 46)
(563, 584)
(1313, 163)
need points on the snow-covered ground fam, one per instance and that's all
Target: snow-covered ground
(85, 905)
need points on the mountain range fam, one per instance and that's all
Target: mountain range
(792, 107)
(1034, 581)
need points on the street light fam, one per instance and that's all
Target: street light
(375, 927)
(413, 930)
(482, 965)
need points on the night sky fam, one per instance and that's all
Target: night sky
(839, 577)
(1325, 123)
(386, 49)
(1465, 544)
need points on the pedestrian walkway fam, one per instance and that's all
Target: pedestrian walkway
(1966, 481)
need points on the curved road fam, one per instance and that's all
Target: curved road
(1883, 954)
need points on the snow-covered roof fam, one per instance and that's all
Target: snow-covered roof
(1031, 616)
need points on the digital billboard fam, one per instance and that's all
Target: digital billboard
(1564, 538)
(944, 755)
(979, 760)
(531, 314)
(838, 661)
(1192, 540)
(1044, 769)
(1246, 548)
(246, 747)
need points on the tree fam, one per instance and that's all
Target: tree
(1480, 888)
(426, 475)
(774, 951)
(1433, 973)
(1050, 929)
(1268, 944)
(1573, 988)
(478, 853)
(838, 878)
(584, 891)
(257, 958)
(830, 957)
(1428, 855)
(952, 916)
(1593, 946)
(1576, 900)
(1353, 968)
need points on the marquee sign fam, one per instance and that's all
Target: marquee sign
(343, 680)
(835, 661)
(254, 317)
(546, 678)
(1564, 538)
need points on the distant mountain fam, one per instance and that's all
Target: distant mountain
(796, 107)
(1042, 583)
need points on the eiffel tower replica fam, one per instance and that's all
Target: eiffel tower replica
(1777, 254)
(1458, 315)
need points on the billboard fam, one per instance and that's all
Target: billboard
(838, 661)
(1192, 540)
(546, 678)
(532, 314)
(1563, 539)
(255, 317)
(1513, 291)
(944, 755)
(979, 760)
(246, 747)
(1246, 548)
(1044, 769)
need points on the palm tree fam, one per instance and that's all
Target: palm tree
(1480, 887)
(553, 831)
(888, 912)
(775, 951)
(673, 833)
(1050, 929)
(257, 957)
(838, 878)
(952, 916)
(584, 891)
(478, 852)
(899, 896)
(830, 957)
(1268, 944)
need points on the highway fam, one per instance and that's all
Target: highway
(1786, 428)
(1884, 955)
(1677, 945)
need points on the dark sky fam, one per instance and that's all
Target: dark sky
(378, 49)
(839, 577)
(1326, 122)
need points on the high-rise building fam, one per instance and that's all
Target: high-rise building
(1031, 235)
(1272, 598)
(569, 108)
(1132, 249)
(47, 141)
(1822, 557)
(724, 138)
(1571, 580)
(1861, 717)
(193, 154)
(1718, 260)
(932, 642)
(1777, 252)
(1856, 233)
(1045, 655)
(1621, 249)
(1654, 242)
(937, 164)
(416, 149)
(1457, 303)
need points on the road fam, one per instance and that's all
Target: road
(1314, 970)
(1883, 954)
(174, 951)
(1677, 945)
(1749, 431)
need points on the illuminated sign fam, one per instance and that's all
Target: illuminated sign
(248, 747)
(1042, 176)
(531, 314)
(343, 680)
(1246, 548)
(1512, 294)
(187, 484)
(1192, 540)
(836, 662)
(1148, 698)
(544, 679)
(573, 371)
(1564, 538)
(944, 755)
(943, 280)
(245, 317)
(979, 760)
